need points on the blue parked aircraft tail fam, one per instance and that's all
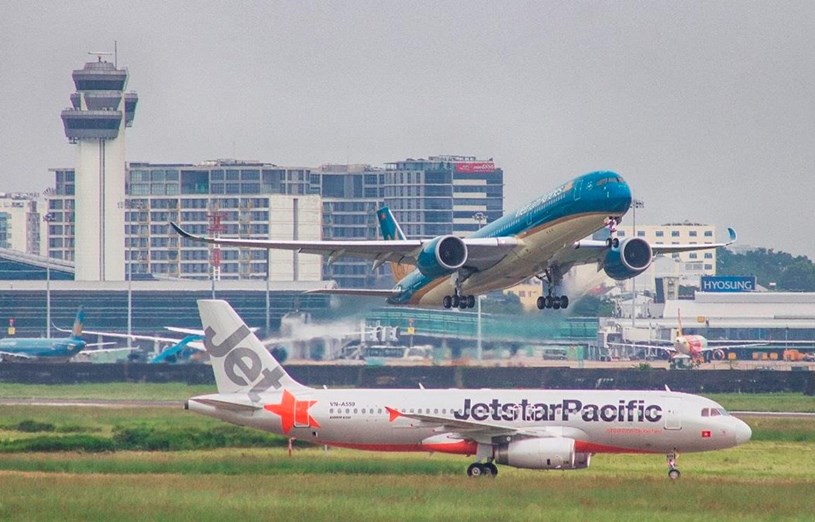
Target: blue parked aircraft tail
(76, 331)
(388, 224)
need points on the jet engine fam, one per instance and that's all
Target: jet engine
(631, 258)
(541, 453)
(442, 255)
(719, 354)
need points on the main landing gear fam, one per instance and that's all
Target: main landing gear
(673, 471)
(550, 280)
(458, 299)
(487, 469)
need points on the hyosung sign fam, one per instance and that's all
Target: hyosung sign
(728, 283)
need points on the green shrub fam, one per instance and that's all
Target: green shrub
(32, 426)
(50, 443)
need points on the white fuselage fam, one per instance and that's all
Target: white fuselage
(386, 420)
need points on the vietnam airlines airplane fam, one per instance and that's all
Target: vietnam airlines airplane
(543, 238)
(535, 429)
(33, 348)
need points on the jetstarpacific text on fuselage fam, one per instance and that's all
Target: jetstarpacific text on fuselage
(634, 410)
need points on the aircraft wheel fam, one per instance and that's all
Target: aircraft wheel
(493, 469)
(456, 301)
(547, 301)
(541, 304)
(470, 301)
(615, 242)
(475, 470)
(673, 474)
(564, 301)
(463, 303)
(447, 301)
(556, 303)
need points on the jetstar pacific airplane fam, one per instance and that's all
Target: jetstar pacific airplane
(554, 429)
(542, 238)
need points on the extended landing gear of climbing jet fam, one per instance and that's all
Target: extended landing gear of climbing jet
(458, 299)
(550, 280)
(553, 301)
(477, 469)
(673, 471)
(611, 225)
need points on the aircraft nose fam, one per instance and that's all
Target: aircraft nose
(743, 432)
(622, 196)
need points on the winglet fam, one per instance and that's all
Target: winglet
(181, 231)
(731, 236)
(392, 414)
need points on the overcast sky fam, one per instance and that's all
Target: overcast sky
(706, 108)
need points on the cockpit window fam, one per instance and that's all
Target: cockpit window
(713, 412)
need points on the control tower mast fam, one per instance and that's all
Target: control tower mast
(96, 124)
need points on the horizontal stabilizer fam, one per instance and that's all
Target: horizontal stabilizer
(227, 405)
(371, 292)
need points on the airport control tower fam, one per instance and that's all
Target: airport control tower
(96, 123)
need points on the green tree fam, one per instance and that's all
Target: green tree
(788, 273)
(592, 306)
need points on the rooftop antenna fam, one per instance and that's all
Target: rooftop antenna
(99, 55)
(116, 54)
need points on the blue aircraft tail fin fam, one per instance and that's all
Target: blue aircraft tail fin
(391, 231)
(78, 322)
(172, 352)
(388, 224)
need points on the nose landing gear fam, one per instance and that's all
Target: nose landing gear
(673, 471)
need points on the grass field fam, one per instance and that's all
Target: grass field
(770, 478)
(759, 481)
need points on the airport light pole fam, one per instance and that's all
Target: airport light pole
(479, 346)
(635, 204)
(48, 218)
(480, 217)
(268, 303)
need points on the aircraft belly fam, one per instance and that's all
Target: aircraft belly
(541, 244)
(540, 247)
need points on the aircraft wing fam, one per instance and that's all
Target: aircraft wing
(588, 251)
(482, 252)
(117, 335)
(664, 347)
(88, 345)
(670, 249)
(480, 430)
(11, 356)
(359, 292)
